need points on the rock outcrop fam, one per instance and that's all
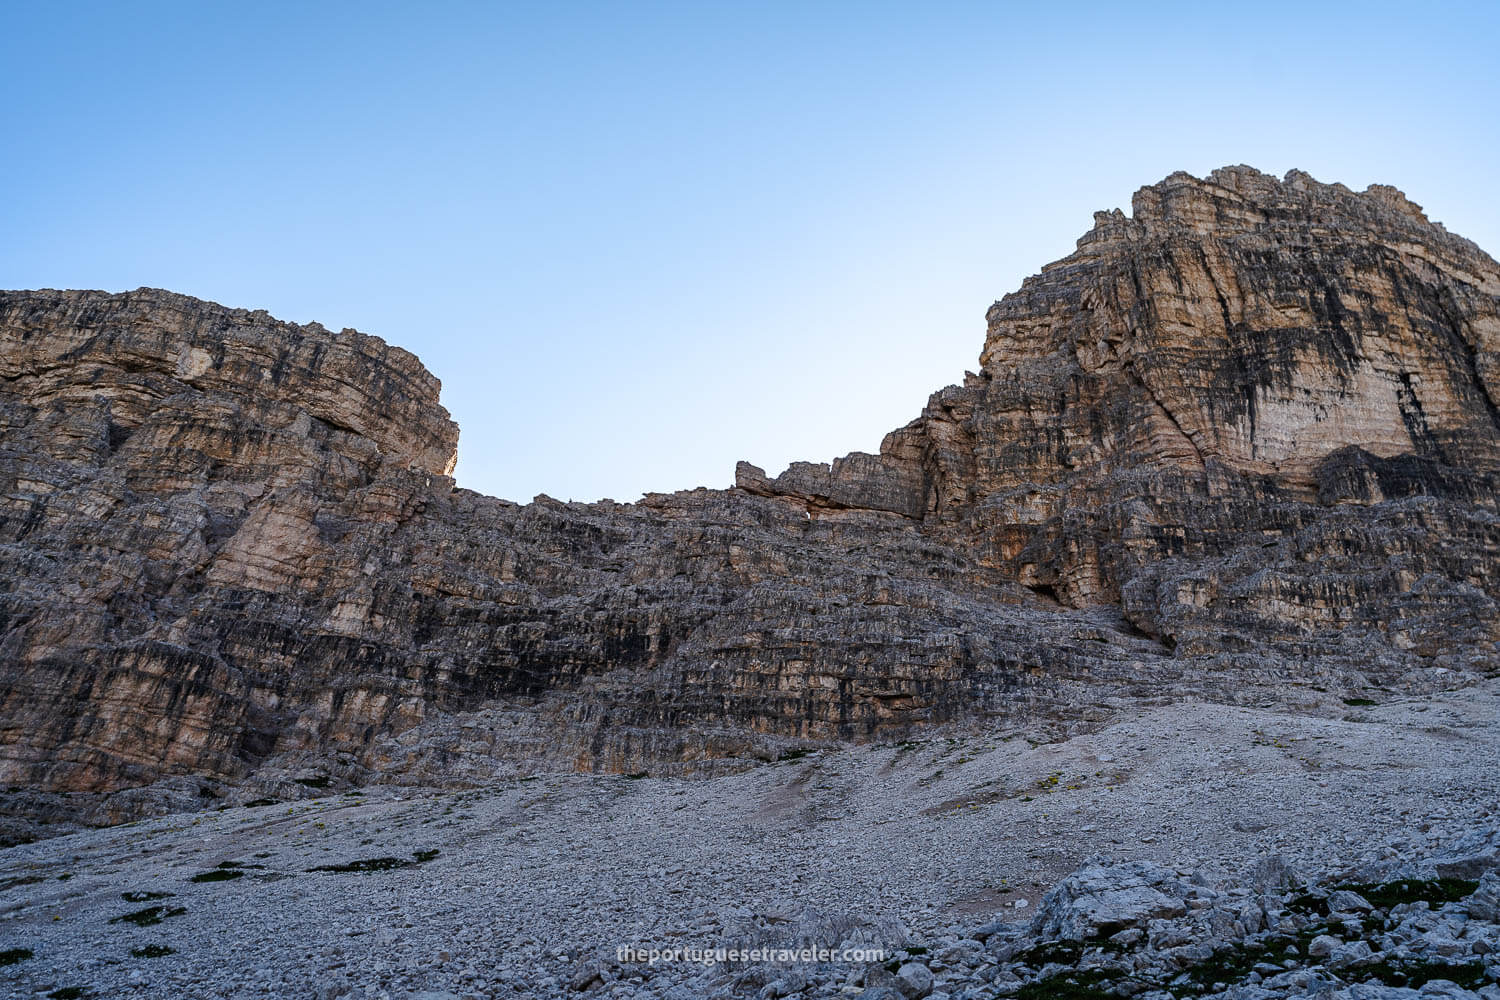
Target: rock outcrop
(1242, 445)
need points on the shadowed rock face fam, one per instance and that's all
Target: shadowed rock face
(1243, 445)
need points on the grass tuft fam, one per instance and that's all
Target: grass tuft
(148, 917)
(378, 864)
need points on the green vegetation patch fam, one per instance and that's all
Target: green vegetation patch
(151, 951)
(1417, 974)
(1384, 895)
(148, 917)
(1066, 952)
(1061, 952)
(1089, 985)
(66, 993)
(144, 897)
(21, 880)
(379, 864)
(218, 875)
(11, 956)
(1360, 702)
(1229, 966)
(1309, 904)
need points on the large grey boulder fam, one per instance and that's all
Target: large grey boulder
(1101, 900)
(1274, 874)
(1470, 856)
(1484, 904)
(1323, 945)
(1351, 955)
(914, 980)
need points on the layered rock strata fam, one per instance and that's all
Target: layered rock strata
(1242, 445)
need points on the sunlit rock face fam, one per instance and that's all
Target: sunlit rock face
(1242, 445)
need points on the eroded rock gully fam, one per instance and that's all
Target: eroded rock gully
(1242, 445)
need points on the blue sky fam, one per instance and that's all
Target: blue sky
(640, 241)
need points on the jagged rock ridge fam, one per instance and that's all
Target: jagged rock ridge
(1242, 445)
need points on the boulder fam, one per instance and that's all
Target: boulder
(1100, 901)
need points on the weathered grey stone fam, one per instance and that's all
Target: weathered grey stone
(1446, 989)
(1379, 991)
(914, 980)
(1350, 954)
(1484, 903)
(985, 931)
(1095, 902)
(1471, 858)
(965, 952)
(1275, 874)
(1323, 945)
(1344, 901)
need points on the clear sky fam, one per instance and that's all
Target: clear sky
(640, 241)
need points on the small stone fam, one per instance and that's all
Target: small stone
(584, 978)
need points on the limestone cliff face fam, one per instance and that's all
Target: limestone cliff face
(1241, 445)
(1209, 378)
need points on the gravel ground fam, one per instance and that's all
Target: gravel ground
(534, 879)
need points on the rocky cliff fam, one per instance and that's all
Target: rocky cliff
(1242, 445)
